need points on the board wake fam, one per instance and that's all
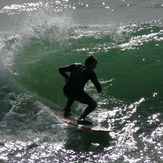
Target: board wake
(97, 128)
(72, 120)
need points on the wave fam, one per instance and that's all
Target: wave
(35, 52)
(129, 57)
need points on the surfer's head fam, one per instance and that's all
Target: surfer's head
(91, 62)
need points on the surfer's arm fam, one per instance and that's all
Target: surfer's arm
(96, 82)
(65, 69)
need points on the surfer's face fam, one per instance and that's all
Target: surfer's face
(93, 65)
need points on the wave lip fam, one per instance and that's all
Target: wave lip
(13, 8)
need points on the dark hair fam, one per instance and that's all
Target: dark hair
(90, 59)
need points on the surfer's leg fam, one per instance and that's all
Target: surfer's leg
(70, 101)
(92, 104)
(67, 109)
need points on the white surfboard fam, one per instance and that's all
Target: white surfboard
(97, 128)
(72, 120)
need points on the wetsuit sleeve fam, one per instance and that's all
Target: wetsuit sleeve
(96, 82)
(63, 71)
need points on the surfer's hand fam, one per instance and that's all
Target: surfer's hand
(66, 79)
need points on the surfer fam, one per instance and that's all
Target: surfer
(79, 75)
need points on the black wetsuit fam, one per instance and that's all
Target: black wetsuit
(74, 87)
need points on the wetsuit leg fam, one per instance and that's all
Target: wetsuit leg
(68, 105)
(86, 99)
(70, 101)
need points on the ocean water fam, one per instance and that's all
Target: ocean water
(38, 37)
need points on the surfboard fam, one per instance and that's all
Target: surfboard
(72, 120)
(96, 128)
